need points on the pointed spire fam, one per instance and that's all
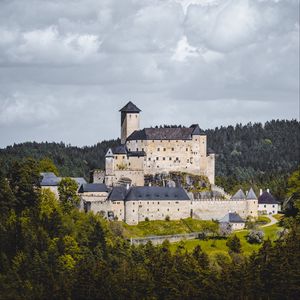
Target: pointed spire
(130, 108)
(239, 195)
(251, 195)
(109, 153)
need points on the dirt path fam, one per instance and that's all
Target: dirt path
(273, 221)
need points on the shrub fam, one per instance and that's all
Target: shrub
(255, 237)
(167, 218)
(234, 244)
(146, 219)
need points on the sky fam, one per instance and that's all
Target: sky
(68, 66)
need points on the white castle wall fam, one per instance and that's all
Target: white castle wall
(208, 209)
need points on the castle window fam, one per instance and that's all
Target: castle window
(158, 149)
(137, 149)
(170, 158)
(133, 210)
(142, 149)
(157, 202)
(147, 202)
(164, 158)
(178, 209)
(157, 158)
(123, 157)
(147, 209)
(158, 209)
(187, 149)
(129, 164)
(157, 166)
(172, 149)
(168, 210)
(187, 160)
(149, 158)
(165, 149)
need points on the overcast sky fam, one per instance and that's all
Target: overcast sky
(68, 66)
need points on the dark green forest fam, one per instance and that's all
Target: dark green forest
(260, 155)
(51, 250)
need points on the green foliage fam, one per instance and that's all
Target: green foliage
(255, 237)
(234, 244)
(47, 165)
(68, 197)
(47, 252)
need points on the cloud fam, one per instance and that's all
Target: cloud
(18, 109)
(45, 46)
(72, 64)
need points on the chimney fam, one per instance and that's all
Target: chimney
(260, 192)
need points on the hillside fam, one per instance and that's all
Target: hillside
(256, 154)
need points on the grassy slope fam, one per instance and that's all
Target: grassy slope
(213, 247)
(164, 227)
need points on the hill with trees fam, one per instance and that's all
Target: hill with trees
(51, 250)
(260, 155)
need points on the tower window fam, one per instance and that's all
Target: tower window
(170, 158)
(164, 158)
(158, 149)
(172, 149)
(157, 158)
(164, 149)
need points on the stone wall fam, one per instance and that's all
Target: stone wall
(137, 211)
(137, 177)
(176, 155)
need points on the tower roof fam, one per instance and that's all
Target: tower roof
(239, 195)
(130, 108)
(251, 195)
(266, 198)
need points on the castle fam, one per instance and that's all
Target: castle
(156, 150)
(120, 192)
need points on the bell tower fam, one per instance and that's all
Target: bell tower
(130, 120)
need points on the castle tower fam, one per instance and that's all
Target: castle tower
(109, 162)
(130, 120)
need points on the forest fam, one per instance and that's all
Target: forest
(258, 155)
(51, 250)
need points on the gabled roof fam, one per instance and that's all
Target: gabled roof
(266, 198)
(93, 187)
(118, 194)
(122, 149)
(239, 195)
(156, 193)
(175, 133)
(251, 195)
(197, 130)
(50, 179)
(143, 193)
(130, 108)
(232, 218)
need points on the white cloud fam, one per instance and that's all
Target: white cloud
(19, 109)
(47, 46)
(81, 60)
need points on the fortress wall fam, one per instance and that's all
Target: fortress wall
(217, 209)
(137, 211)
(137, 177)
